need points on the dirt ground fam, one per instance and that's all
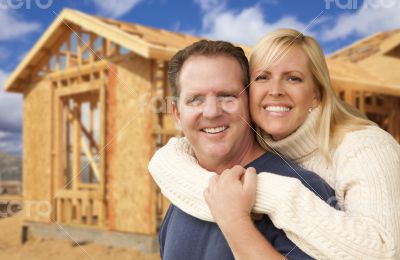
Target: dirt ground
(46, 249)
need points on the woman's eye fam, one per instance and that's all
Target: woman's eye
(261, 77)
(294, 79)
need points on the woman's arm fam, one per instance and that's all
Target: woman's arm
(180, 178)
(230, 197)
(368, 228)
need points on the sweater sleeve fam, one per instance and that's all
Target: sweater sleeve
(180, 178)
(367, 228)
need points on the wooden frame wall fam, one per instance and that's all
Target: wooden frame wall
(81, 78)
(382, 109)
(76, 202)
(162, 131)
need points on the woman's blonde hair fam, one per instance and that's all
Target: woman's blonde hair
(337, 117)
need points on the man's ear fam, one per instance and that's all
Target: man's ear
(177, 115)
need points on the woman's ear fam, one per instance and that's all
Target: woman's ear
(316, 97)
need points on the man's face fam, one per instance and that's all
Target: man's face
(213, 107)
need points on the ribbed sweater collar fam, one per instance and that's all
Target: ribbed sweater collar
(300, 144)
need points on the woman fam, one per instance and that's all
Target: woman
(297, 114)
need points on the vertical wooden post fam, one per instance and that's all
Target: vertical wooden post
(102, 143)
(90, 212)
(79, 48)
(58, 61)
(77, 146)
(92, 51)
(103, 48)
(53, 146)
(92, 105)
(78, 206)
(67, 169)
(108, 47)
(68, 210)
(362, 101)
(348, 96)
(68, 54)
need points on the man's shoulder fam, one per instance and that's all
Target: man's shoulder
(278, 164)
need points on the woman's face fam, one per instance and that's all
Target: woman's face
(281, 95)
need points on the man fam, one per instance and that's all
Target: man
(209, 80)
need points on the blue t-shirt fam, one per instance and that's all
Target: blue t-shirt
(183, 236)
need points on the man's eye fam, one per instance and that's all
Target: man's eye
(194, 100)
(227, 98)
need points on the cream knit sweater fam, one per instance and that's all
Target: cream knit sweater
(365, 173)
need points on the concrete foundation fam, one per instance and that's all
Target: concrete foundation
(81, 235)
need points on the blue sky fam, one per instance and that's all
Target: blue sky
(339, 23)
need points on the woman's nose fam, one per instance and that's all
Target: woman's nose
(276, 88)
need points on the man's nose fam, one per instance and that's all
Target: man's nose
(212, 108)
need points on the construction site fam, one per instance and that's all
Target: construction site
(95, 109)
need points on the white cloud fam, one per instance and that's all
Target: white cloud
(207, 5)
(250, 24)
(11, 143)
(13, 27)
(246, 26)
(115, 8)
(10, 120)
(367, 20)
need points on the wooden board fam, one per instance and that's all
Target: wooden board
(131, 189)
(37, 150)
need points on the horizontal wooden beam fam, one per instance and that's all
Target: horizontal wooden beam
(78, 88)
(78, 194)
(89, 186)
(166, 131)
(385, 89)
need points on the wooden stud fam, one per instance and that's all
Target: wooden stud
(103, 157)
(92, 105)
(93, 54)
(362, 101)
(93, 143)
(68, 53)
(90, 212)
(76, 146)
(78, 206)
(68, 211)
(79, 48)
(91, 160)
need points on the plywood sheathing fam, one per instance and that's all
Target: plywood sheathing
(37, 152)
(111, 135)
(130, 190)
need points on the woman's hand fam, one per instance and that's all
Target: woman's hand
(231, 195)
